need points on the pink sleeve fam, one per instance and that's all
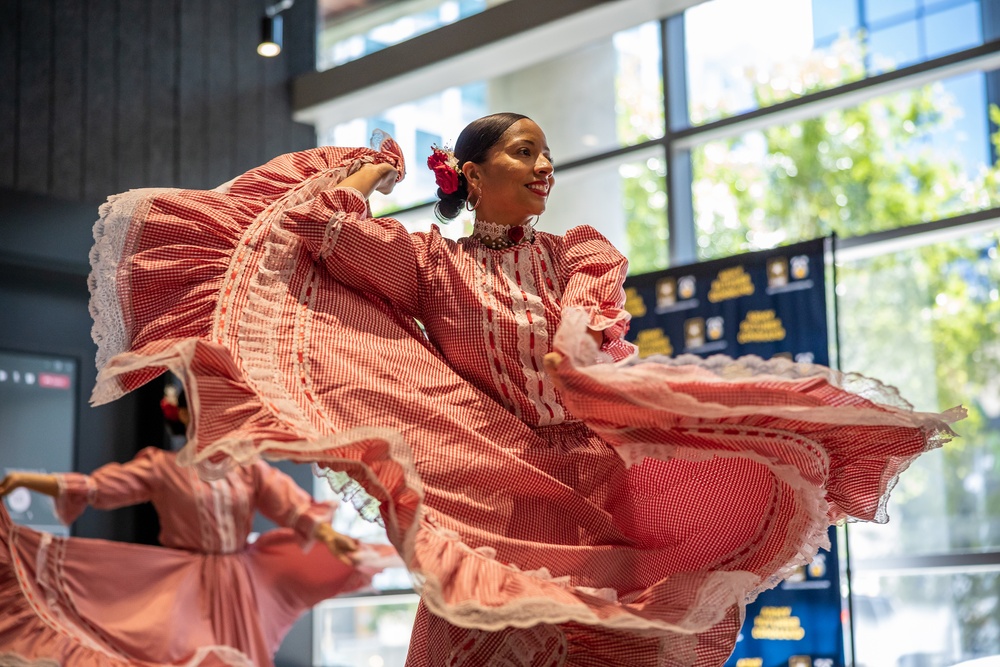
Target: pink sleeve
(369, 254)
(595, 273)
(109, 487)
(283, 501)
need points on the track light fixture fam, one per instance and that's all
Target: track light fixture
(271, 29)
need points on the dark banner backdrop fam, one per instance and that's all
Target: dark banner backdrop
(769, 303)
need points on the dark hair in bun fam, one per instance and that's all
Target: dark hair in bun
(473, 144)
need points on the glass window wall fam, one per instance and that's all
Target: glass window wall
(868, 161)
(743, 56)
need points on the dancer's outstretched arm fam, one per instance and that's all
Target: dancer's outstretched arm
(46, 484)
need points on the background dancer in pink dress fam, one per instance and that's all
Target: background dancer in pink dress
(559, 501)
(206, 595)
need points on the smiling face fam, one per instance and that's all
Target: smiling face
(515, 178)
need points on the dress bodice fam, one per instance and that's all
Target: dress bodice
(195, 515)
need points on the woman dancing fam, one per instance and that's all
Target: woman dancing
(558, 501)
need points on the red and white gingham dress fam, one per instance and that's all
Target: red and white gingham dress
(616, 512)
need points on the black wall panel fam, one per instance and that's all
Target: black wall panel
(35, 98)
(132, 103)
(9, 26)
(163, 92)
(68, 33)
(100, 96)
(100, 54)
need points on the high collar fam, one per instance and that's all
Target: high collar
(499, 237)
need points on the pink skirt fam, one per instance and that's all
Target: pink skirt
(83, 602)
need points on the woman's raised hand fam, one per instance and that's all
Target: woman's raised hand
(388, 178)
(371, 178)
(339, 545)
(9, 483)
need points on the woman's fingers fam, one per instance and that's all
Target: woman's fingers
(8, 484)
(551, 361)
(388, 181)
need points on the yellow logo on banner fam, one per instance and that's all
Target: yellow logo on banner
(694, 332)
(714, 327)
(730, 284)
(817, 568)
(777, 623)
(686, 287)
(634, 304)
(666, 292)
(760, 326)
(777, 272)
(653, 341)
(800, 267)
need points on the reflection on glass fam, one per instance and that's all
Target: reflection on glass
(604, 96)
(889, 162)
(363, 632)
(347, 35)
(945, 296)
(880, 10)
(416, 126)
(625, 199)
(924, 619)
(743, 56)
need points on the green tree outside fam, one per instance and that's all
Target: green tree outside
(925, 319)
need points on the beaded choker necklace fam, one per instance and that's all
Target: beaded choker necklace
(498, 237)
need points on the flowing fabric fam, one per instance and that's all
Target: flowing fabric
(205, 598)
(611, 511)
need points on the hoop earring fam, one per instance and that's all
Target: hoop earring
(479, 200)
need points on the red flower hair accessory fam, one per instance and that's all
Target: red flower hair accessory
(444, 164)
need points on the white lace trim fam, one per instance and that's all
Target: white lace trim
(267, 287)
(532, 335)
(519, 647)
(486, 296)
(720, 591)
(608, 322)
(9, 659)
(200, 491)
(752, 369)
(225, 528)
(229, 656)
(111, 231)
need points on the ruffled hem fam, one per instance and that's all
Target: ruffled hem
(111, 231)
(165, 262)
(470, 588)
(231, 426)
(659, 406)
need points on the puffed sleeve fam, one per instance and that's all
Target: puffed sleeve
(283, 501)
(594, 273)
(369, 254)
(109, 487)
